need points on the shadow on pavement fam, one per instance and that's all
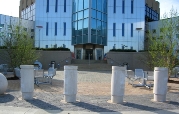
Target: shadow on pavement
(174, 103)
(91, 107)
(146, 108)
(43, 105)
(6, 98)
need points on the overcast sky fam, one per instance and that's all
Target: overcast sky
(11, 7)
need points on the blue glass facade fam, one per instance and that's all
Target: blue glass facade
(89, 22)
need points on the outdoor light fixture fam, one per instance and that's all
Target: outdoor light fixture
(39, 27)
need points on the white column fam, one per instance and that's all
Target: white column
(27, 81)
(160, 83)
(70, 83)
(117, 84)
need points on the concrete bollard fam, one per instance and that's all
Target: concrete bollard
(160, 83)
(70, 83)
(27, 81)
(117, 84)
(3, 84)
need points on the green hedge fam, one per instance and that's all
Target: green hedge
(54, 49)
(122, 50)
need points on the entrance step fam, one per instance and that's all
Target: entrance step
(78, 61)
(93, 67)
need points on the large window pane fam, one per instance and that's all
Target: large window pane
(76, 28)
(73, 40)
(85, 26)
(86, 13)
(80, 15)
(79, 40)
(93, 38)
(86, 4)
(75, 6)
(99, 6)
(93, 26)
(94, 13)
(104, 17)
(80, 5)
(105, 6)
(94, 4)
(74, 16)
(73, 29)
(99, 27)
(99, 15)
(85, 38)
(99, 39)
(80, 27)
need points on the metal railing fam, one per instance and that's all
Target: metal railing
(119, 64)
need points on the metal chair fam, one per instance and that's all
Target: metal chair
(17, 72)
(51, 73)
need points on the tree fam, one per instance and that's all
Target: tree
(163, 46)
(18, 46)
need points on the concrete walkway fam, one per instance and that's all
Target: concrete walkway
(92, 97)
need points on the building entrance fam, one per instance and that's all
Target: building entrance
(89, 54)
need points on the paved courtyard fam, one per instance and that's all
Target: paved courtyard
(94, 89)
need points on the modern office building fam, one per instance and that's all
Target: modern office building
(90, 28)
(6, 21)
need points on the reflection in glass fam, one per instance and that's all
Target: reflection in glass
(79, 39)
(75, 6)
(99, 5)
(94, 13)
(85, 26)
(80, 5)
(93, 39)
(86, 13)
(98, 27)
(99, 15)
(80, 15)
(80, 27)
(94, 4)
(99, 39)
(85, 38)
(93, 26)
(86, 4)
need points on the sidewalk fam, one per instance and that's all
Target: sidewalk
(12, 110)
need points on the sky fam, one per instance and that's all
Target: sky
(11, 7)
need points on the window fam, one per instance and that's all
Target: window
(177, 35)
(114, 29)
(131, 29)
(56, 5)
(114, 6)
(64, 5)
(32, 30)
(123, 6)
(46, 28)
(64, 28)
(123, 29)
(132, 6)
(153, 30)
(55, 28)
(47, 10)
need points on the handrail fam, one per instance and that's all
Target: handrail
(123, 64)
(65, 59)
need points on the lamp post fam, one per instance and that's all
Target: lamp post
(1, 26)
(39, 27)
(138, 29)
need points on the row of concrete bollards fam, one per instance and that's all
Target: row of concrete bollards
(117, 83)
